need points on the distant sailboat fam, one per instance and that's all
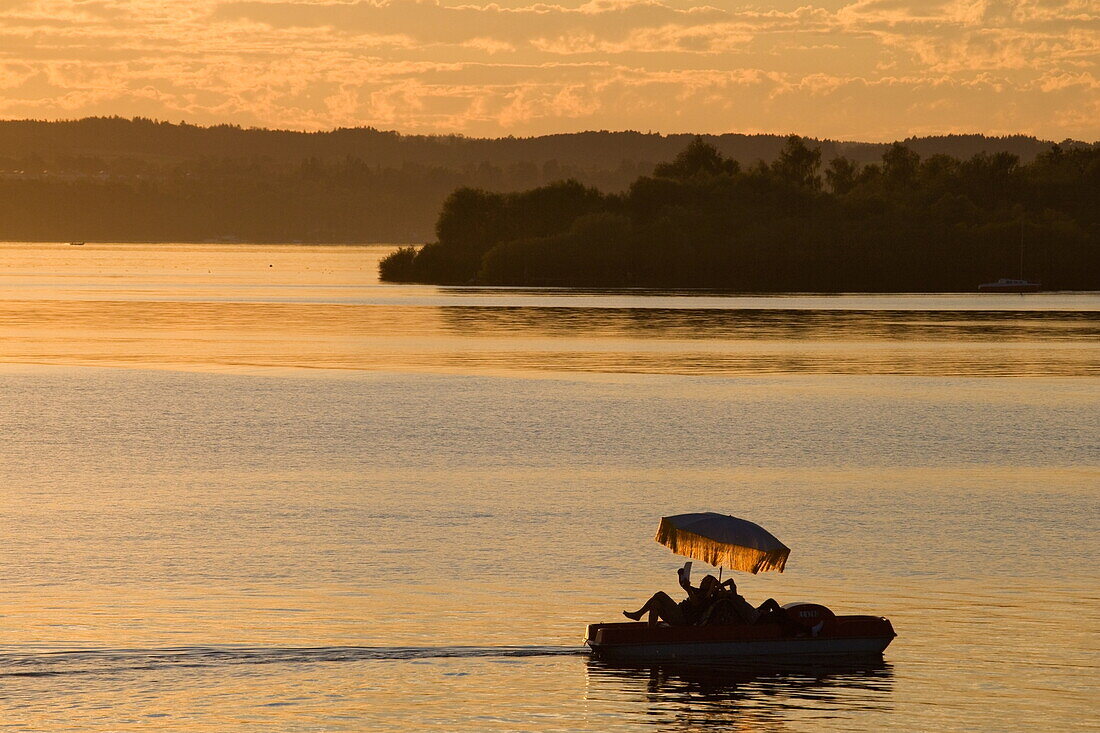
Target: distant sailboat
(1013, 285)
(1010, 285)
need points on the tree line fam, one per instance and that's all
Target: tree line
(156, 142)
(314, 200)
(703, 220)
(116, 179)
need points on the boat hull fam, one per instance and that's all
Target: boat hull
(638, 642)
(1010, 287)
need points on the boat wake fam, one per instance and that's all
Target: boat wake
(103, 661)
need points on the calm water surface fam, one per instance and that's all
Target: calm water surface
(250, 488)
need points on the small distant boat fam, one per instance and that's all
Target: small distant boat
(1009, 285)
(76, 244)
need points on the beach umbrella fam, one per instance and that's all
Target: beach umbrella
(720, 539)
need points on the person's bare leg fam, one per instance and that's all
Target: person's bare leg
(659, 607)
(772, 612)
(655, 599)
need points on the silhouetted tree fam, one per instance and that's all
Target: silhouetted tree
(697, 159)
(940, 224)
(398, 266)
(798, 164)
(900, 165)
(841, 175)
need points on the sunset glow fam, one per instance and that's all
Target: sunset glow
(868, 69)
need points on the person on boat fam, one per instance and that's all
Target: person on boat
(768, 612)
(661, 607)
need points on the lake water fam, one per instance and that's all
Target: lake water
(251, 488)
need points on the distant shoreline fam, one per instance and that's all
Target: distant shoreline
(318, 243)
(575, 289)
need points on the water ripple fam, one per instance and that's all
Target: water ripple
(101, 661)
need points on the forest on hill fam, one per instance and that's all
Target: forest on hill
(702, 220)
(110, 178)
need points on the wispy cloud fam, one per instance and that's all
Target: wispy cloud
(868, 69)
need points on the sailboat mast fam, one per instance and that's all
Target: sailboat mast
(1021, 249)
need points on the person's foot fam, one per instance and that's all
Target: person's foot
(633, 616)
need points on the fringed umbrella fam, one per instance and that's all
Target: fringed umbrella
(720, 539)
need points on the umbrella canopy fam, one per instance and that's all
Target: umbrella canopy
(720, 539)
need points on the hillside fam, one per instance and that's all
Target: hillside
(139, 179)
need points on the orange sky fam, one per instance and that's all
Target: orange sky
(861, 69)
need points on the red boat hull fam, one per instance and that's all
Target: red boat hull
(840, 635)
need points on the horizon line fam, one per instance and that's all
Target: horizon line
(464, 136)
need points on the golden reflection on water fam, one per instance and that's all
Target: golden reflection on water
(744, 697)
(248, 307)
(199, 550)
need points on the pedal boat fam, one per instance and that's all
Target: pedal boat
(825, 634)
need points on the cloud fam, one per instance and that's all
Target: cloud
(489, 45)
(878, 69)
